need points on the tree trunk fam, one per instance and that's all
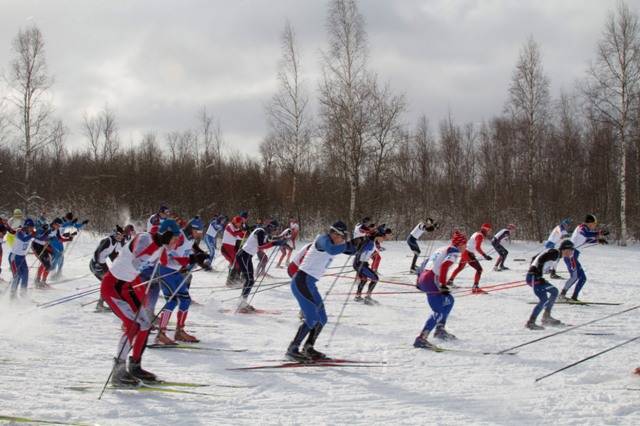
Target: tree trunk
(623, 193)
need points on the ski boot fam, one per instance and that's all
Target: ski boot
(562, 297)
(531, 325)
(368, 300)
(294, 354)
(183, 336)
(497, 268)
(504, 268)
(100, 306)
(451, 284)
(139, 373)
(163, 339)
(553, 275)
(442, 334)
(548, 320)
(422, 343)
(358, 298)
(121, 377)
(245, 307)
(312, 354)
(477, 290)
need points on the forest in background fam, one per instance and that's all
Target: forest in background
(541, 159)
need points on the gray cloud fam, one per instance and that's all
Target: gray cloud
(156, 63)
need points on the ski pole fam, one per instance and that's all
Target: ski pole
(566, 367)
(565, 330)
(270, 260)
(265, 288)
(334, 281)
(344, 305)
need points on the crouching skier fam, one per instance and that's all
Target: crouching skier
(433, 281)
(107, 248)
(303, 286)
(361, 265)
(259, 239)
(176, 280)
(126, 299)
(414, 236)
(541, 286)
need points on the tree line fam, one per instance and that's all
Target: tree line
(537, 161)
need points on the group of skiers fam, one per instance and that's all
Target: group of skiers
(45, 239)
(163, 257)
(432, 275)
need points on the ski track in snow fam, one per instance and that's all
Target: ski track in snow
(46, 351)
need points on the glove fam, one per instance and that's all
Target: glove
(487, 257)
(444, 290)
(602, 241)
(436, 225)
(84, 222)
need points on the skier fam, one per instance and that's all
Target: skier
(156, 219)
(175, 282)
(303, 287)
(364, 271)
(43, 249)
(474, 246)
(107, 248)
(259, 239)
(295, 231)
(17, 257)
(362, 230)
(215, 226)
(412, 240)
(433, 281)
(233, 233)
(286, 248)
(585, 233)
(68, 230)
(4, 230)
(496, 242)
(14, 223)
(541, 287)
(121, 290)
(560, 232)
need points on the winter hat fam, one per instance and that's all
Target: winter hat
(566, 245)
(56, 221)
(28, 223)
(485, 227)
(339, 228)
(163, 209)
(17, 213)
(590, 219)
(195, 224)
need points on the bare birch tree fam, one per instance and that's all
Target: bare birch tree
(529, 104)
(29, 83)
(345, 94)
(290, 126)
(613, 85)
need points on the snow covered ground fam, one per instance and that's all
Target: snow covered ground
(54, 361)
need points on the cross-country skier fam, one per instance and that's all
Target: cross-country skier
(412, 240)
(496, 242)
(14, 223)
(474, 247)
(68, 230)
(17, 257)
(584, 234)
(174, 269)
(324, 248)
(233, 233)
(433, 281)
(286, 248)
(120, 289)
(155, 219)
(4, 230)
(43, 249)
(560, 232)
(215, 226)
(362, 229)
(364, 270)
(545, 292)
(108, 248)
(259, 239)
(295, 231)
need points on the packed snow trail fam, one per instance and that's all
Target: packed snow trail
(46, 352)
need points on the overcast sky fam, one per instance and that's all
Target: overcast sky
(156, 63)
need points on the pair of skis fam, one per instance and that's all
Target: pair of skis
(326, 362)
